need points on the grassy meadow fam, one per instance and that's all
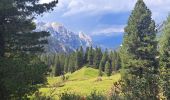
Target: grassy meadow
(82, 82)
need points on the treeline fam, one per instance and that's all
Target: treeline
(92, 57)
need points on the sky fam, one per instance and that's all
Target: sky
(101, 19)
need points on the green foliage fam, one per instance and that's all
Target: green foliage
(104, 59)
(95, 96)
(100, 68)
(20, 69)
(164, 49)
(108, 69)
(81, 82)
(115, 61)
(66, 64)
(79, 58)
(139, 88)
(40, 96)
(85, 60)
(69, 96)
(57, 68)
(71, 63)
(84, 73)
(90, 56)
(97, 57)
(20, 78)
(138, 55)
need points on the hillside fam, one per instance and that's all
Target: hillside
(82, 82)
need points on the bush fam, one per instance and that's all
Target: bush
(69, 96)
(39, 96)
(95, 96)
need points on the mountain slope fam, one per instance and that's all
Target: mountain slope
(61, 39)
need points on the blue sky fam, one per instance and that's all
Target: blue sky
(101, 18)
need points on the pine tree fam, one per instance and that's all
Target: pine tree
(57, 69)
(100, 69)
(85, 60)
(108, 70)
(105, 58)
(19, 44)
(97, 57)
(79, 58)
(164, 45)
(72, 63)
(66, 63)
(138, 55)
(115, 59)
(90, 56)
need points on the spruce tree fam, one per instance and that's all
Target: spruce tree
(19, 46)
(90, 56)
(101, 69)
(57, 66)
(138, 55)
(104, 59)
(97, 57)
(108, 68)
(164, 48)
(85, 60)
(79, 58)
(116, 63)
(72, 63)
(66, 63)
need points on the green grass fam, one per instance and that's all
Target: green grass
(83, 82)
(83, 74)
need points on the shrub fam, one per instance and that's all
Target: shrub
(39, 96)
(95, 96)
(69, 96)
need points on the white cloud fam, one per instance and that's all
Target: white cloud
(71, 8)
(45, 1)
(96, 6)
(113, 30)
(160, 8)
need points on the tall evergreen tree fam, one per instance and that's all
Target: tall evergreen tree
(72, 63)
(108, 69)
(57, 69)
(66, 63)
(116, 62)
(19, 44)
(97, 57)
(90, 56)
(85, 60)
(164, 45)
(104, 59)
(79, 58)
(138, 55)
(100, 69)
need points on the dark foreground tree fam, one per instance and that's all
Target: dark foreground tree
(20, 68)
(138, 55)
(164, 45)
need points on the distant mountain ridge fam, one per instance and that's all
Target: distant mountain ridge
(63, 40)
